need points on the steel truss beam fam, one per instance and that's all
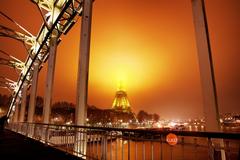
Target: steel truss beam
(11, 61)
(28, 41)
(7, 83)
(26, 38)
(60, 18)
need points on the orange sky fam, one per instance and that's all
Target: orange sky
(149, 46)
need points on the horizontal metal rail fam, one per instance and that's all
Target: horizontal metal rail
(121, 143)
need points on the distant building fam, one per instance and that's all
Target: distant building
(121, 102)
(120, 115)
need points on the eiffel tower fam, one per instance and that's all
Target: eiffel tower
(121, 102)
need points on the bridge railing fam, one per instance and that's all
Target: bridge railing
(137, 144)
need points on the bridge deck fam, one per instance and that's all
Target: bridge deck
(16, 146)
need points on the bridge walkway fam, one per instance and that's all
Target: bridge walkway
(18, 147)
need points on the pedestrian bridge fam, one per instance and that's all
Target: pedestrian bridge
(87, 142)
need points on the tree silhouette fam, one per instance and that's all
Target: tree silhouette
(144, 116)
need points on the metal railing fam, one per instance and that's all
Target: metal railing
(136, 144)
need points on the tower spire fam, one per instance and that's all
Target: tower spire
(120, 86)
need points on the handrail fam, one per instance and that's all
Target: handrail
(91, 142)
(154, 131)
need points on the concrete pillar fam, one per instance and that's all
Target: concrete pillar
(50, 78)
(23, 102)
(210, 103)
(32, 102)
(83, 64)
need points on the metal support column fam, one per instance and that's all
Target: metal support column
(82, 79)
(50, 77)
(32, 102)
(83, 65)
(210, 103)
(23, 102)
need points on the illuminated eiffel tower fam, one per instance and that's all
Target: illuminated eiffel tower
(121, 102)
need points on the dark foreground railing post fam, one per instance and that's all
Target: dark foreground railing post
(105, 143)
(171, 150)
(136, 149)
(129, 149)
(122, 147)
(182, 146)
(195, 147)
(239, 151)
(67, 139)
(143, 150)
(27, 129)
(111, 145)
(161, 146)
(97, 146)
(31, 130)
(116, 156)
(227, 150)
(89, 141)
(104, 147)
(152, 149)
(210, 149)
(46, 134)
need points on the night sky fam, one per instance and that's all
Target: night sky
(148, 46)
